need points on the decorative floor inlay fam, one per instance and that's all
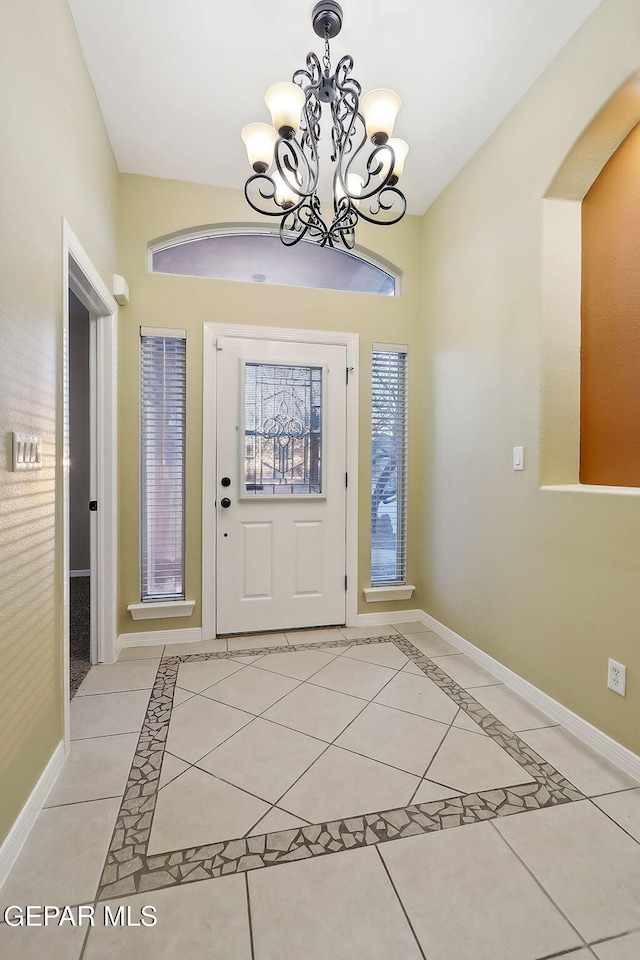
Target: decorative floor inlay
(130, 867)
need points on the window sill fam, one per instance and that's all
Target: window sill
(396, 591)
(591, 488)
(159, 609)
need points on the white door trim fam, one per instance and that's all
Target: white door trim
(209, 468)
(79, 274)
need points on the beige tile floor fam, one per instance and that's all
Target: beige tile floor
(267, 742)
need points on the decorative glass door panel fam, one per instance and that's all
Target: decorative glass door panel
(283, 427)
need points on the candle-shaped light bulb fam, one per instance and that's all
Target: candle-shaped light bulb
(285, 102)
(400, 150)
(286, 196)
(380, 109)
(259, 139)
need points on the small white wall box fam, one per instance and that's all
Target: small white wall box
(120, 289)
(27, 452)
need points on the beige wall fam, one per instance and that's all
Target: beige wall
(546, 581)
(55, 161)
(151, 208)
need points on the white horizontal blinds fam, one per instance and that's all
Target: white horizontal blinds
(162, 462)
(389, 464)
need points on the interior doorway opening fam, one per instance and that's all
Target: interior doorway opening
(82, 474)
(87, 300)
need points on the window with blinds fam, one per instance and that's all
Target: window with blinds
(162, 462)
(388, 464)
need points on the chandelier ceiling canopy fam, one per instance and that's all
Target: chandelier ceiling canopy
(367, 160)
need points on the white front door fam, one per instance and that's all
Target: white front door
(280, 485)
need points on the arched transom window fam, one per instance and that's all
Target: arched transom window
(251, 257)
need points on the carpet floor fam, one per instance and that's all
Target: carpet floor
(79, 632)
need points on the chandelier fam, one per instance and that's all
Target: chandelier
(367, 160)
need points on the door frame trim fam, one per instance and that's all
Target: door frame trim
(209, 444)
(79, 274)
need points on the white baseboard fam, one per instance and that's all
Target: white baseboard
(149, 637)
(27, 817)
(79, 573)
(393, 616)
(606, 746)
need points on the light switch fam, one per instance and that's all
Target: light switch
(518, 458)
(27, 452)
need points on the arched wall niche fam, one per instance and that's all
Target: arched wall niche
(562, 282)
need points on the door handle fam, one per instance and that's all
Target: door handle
(225, 502)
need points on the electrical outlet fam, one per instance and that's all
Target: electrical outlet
(617, 677)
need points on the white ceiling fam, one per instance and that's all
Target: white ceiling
(178, 79)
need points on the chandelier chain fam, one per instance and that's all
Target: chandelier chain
(326, 60)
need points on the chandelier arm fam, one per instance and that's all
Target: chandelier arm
(315, 222)
(371, 217)
(346, 116)
(287, 162)
(344, 82)
(343, 233)
(310, 123)
(346, 218)
(301, 180)
(347, 103)
(287, 235)
(305, 219)
(268, 192)
(312, 111)
(312, 73)
(307, 144)
(374, 166)
(348, 155)
(346, 236)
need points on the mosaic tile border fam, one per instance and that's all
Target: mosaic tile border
(129, 870)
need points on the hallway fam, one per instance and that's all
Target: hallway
(216, 781)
